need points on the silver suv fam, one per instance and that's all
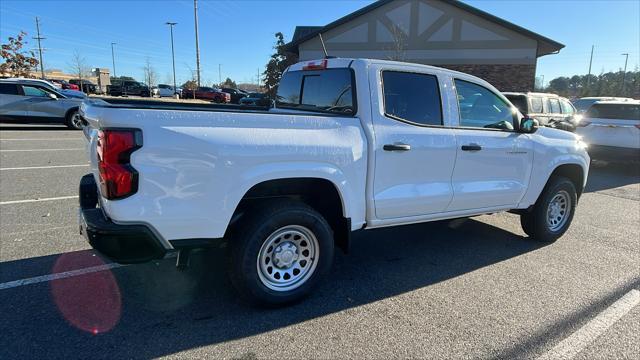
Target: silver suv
(36, 101)
(549, 109)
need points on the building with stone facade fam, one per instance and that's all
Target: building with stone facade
(445, 33)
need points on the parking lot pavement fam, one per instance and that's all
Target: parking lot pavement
(475, 288)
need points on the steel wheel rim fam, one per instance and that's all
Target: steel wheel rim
(558, 210)
(288, 258)
(76, 120)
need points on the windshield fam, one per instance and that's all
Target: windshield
(582, 105)
(519, 101)
(329, 90)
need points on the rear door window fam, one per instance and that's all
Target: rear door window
(519, 101)
(536, 105)
(555, 106)
(329, 90)
(412, 97)
(8, 89)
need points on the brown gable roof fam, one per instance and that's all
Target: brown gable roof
(304, 33)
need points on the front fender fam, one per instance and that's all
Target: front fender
(546, 162)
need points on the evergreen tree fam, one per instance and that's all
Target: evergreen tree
(278, 62)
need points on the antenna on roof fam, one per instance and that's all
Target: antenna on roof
(324, 48)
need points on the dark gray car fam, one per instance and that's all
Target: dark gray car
(32, 101)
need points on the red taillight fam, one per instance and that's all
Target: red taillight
(315, 65)
(584, 123)
(118, 179)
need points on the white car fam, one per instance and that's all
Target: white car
(612, 130)
(352, 144)
(166, 91)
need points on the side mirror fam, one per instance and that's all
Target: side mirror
(529, 125)
(52, 96)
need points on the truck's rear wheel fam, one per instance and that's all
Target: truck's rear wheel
(280, 253)
(552, 214)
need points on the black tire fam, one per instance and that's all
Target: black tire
(71, 122)
(246, 244)
(536, 224)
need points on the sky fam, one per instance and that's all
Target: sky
(237, 37)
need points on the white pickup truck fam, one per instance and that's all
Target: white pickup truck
(351, 144)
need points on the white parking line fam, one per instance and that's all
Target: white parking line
(57, 276)
(571, 346)
(43, 167)
(37, 200)
(47, 139)
(42, 150)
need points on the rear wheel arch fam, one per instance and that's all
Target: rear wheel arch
(319, 193)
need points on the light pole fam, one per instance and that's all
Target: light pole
(173, 56)
(113, 60)
(40, 47)
(624, 73)
(195, 17)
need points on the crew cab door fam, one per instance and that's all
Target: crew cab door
(493, 162)
(414, 151)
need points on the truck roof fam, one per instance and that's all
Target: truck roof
(335, 62)
(531, 93)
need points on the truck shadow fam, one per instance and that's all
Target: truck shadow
(153, 310)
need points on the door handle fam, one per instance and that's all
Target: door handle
(396, 147)
(471, 147)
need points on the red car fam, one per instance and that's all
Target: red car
(207, 93)
(65, 85)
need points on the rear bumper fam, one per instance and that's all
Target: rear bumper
(613, 153)
(126, 244)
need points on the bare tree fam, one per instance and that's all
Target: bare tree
(150, 75)
(191, 84)
(398, 47)
(78, 65)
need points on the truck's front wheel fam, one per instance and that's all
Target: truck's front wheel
(280, 253)
(553, 212)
